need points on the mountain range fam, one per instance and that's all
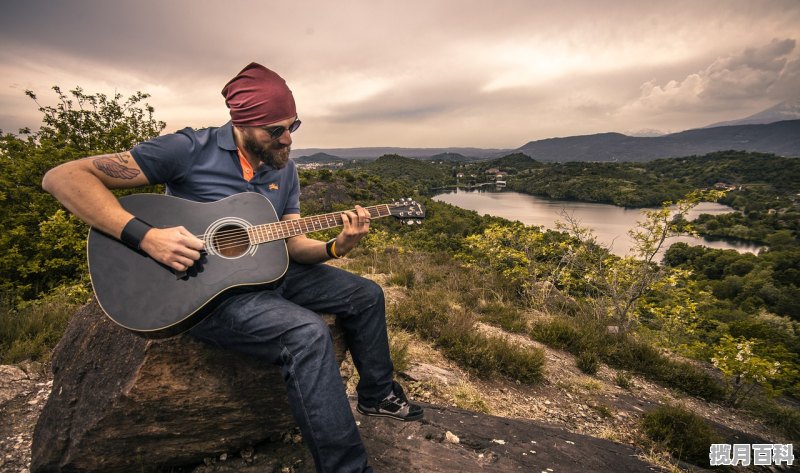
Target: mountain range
(775, 130)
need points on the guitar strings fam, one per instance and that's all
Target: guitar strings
(226, 239)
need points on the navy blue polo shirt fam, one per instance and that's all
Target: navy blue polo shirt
(203, 165)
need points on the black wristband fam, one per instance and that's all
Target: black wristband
(329, 249)
(133, 233)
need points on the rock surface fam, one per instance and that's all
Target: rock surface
(451, 440)
(120, 402)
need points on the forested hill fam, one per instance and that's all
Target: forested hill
(780, 138)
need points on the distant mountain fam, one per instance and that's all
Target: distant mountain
(469, 154)
(789, 110)
(780, 138)
(318, 158)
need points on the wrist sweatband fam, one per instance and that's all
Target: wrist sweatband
(133, 233)
(330, 248)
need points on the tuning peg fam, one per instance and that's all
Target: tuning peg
(418, 222)
(409, 222)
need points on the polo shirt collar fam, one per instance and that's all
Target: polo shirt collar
(226, 142)
(225, 137)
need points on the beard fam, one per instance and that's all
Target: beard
(273, 154)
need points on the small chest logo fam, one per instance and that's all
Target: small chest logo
(273, 187)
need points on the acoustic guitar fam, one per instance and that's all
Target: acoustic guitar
(245, 249)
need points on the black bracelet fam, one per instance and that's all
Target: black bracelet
(133, 233)
(329, 248)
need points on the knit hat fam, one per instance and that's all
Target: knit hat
(258, 96)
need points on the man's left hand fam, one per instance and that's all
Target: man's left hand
(356, 225)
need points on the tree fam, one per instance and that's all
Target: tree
(618, 285)
(38, 249)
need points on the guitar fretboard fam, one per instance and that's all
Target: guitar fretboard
(288, 228)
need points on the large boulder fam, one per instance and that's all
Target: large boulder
(121, 402)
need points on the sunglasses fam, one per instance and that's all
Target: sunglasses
(276, 132)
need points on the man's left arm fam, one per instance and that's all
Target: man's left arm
(309, 251)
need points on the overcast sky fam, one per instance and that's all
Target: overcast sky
(415, 73)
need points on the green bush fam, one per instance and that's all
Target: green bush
(587, 362)
(557, 333)
(639, 357)
(432, 314)
(32, 331)
(505, 316)
(784, 418)
(684, 434)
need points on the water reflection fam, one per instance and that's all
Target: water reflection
(609, 223)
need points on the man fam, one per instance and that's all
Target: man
(281, 326)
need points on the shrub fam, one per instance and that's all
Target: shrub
(647, 360)
(398, 349)
(32, 331)
(432, 314)
(587, 362)
(784, 418)
(557, 333)
(507, 317)
(684, 434)
(623, 380)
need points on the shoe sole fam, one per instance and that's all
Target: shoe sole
(380, 414)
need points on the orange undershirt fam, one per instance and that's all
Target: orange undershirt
(247, 169)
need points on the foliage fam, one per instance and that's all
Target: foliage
(588, 362)
(435, 310)
(685, 434)
(744, 369)
(618, 285)
(41, 248)
(418, 175)
(32, 330)
(581, 336)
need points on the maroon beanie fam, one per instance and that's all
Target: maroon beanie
(257, 97)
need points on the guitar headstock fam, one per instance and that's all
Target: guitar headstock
(407, 209)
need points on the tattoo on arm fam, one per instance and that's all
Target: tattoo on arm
(115, 166)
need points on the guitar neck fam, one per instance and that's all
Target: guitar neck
(288, 228)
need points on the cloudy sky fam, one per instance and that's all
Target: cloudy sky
(415, 73)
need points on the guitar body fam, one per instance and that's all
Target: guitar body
(147, 297)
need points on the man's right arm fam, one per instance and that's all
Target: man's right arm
(82, 186)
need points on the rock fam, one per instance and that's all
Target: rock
(423, 446)
(552, 298)
(120, 402)
(13, 381)
(428, 372)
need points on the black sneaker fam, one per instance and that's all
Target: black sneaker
(395, 405)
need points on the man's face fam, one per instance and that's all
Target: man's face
(271, 151)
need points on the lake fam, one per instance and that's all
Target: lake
(609, 223)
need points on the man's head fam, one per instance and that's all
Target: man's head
(260, 101)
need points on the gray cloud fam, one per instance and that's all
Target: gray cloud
(440, 71)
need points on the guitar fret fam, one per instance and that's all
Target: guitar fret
(288, 228)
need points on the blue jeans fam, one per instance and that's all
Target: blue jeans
(281, 326)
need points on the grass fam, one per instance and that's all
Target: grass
(31, 331)
(588, 341)
(684, 434)
(434, 309)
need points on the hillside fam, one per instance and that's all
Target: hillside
(780, 138)
(789, 110)
(474, 421)
(371, 153)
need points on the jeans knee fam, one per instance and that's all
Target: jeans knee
(372, 293)
(314, 336)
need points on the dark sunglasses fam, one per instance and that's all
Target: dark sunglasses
(276, 132)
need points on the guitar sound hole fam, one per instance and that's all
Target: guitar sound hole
(231, 241)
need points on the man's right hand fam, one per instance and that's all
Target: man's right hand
(175, 247)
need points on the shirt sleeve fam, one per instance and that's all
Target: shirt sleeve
(165, 158)
(293, 197)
